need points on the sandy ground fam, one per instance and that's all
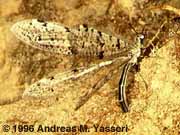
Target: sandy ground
(153, 110)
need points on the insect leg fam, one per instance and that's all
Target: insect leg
(83, 99)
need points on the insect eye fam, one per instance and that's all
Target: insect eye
(141, 36)
(140, 39)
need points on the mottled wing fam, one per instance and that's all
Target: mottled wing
(43, 35)
(47, 87)
(84, 41)
(87, 41)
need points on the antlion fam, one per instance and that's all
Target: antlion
(81, 42)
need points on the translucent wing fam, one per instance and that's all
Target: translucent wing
(42, 35)
(57, 38)
(47, 87)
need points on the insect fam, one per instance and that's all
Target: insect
(81, 42)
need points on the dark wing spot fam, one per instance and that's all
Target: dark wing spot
(101, 55)
(69, 53)
(118, 44)
(97, 38)
(72, 50)
(110, 37)
(67, 29)
(29, 37)
(83, 45)
(44, 24)
(39, 38)
(52, 77)
(92, 30)
(41, 21)
(85, 26)
(75, 70)
(52, 89)
(52, 39)
(100, 33)
(101, 44)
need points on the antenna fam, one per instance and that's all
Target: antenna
(133, 28)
